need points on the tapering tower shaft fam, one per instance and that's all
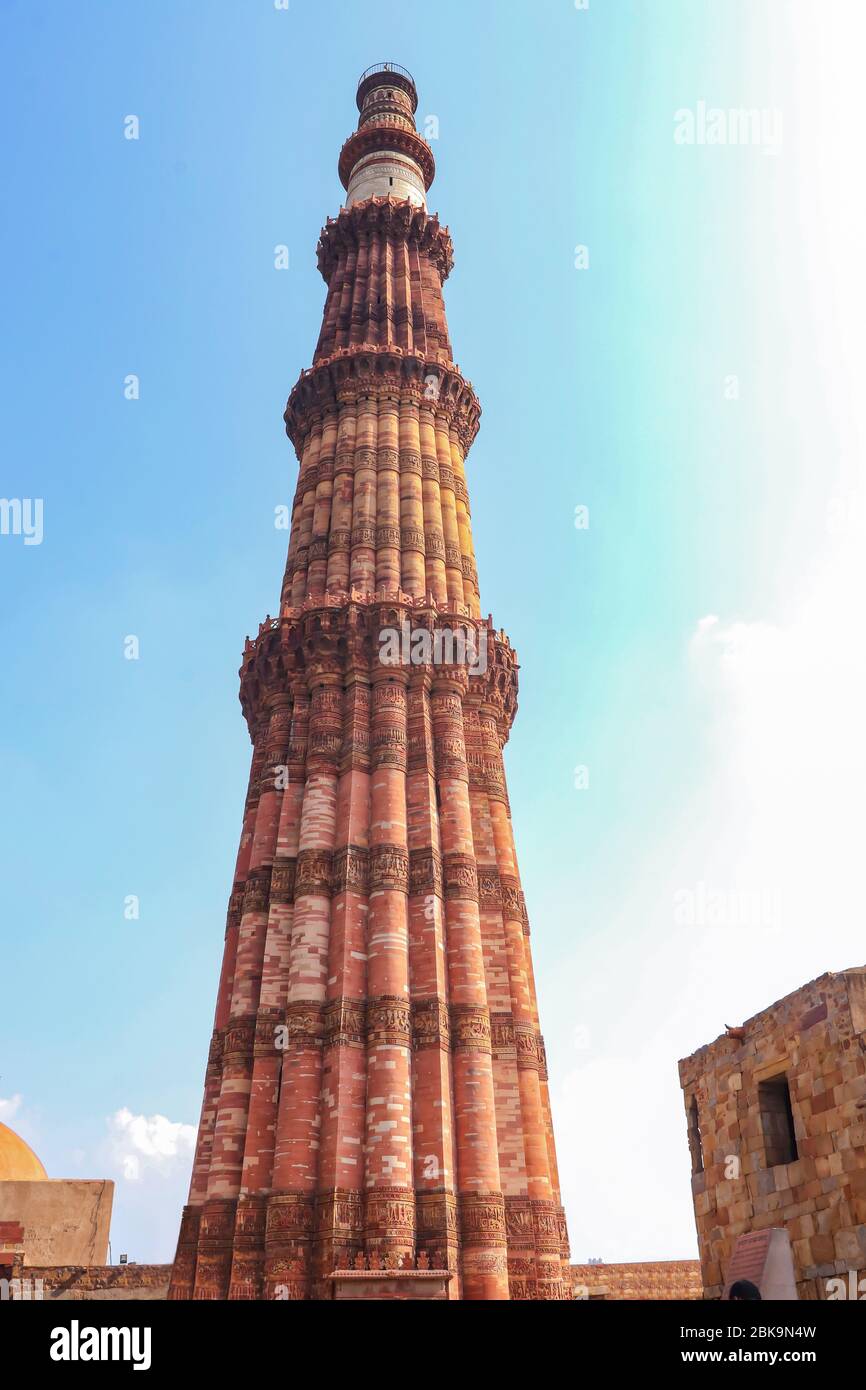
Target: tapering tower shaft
(376, 1088)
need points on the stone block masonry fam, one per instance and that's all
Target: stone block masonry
(776, 1122)
(376, 1091)
(95, 1283)
(646, 1281)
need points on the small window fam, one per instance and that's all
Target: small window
(695, 1145)
(391, 181)
(777, 1121)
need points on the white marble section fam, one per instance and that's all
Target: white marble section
(385, 172)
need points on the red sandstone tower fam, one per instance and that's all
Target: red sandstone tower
(376, 1092)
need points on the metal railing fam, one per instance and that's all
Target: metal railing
(385, 67)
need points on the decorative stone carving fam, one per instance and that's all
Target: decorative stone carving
(313, 874)
(470, 1028)
(389, 869)
(351, 871)
(238, 1041)
(461, 877)
(430, 1024)
(425, 873)
(388, 1022)
(256, 891)
(344, 1022)
(305, 1024)
(283, 880)
(502, 1035)
(482, 1219)
(489, 890)
(290, 1213)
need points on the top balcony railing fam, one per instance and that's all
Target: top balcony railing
(385, 67)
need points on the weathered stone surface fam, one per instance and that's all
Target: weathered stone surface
(65, 1220)
(646, 1281)
(96, 1283)
(749, 1172)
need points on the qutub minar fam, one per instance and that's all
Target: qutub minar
(376, 1094)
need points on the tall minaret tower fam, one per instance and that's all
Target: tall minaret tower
(376, 1091)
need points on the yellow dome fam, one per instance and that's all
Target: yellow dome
(18, 1162)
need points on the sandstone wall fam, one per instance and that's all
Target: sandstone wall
(815, 1039)
(66, 1221)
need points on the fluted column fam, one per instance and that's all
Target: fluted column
(307, 484)
(266, 950)
(340, 538)
(340, 1203)
(482, 1211)
(372, 299)
(236, 1021)
(360, 299)
(292, 1207)
(286, 1229)
(540, 1192)
(387, 498)
(453, 555)
(413, 579)
(432, 1117)
(182, 1283)
(464, 526)
(509, 1118)
(344, 313)
(390, 1199)
(319, 536)
(363, 563)
(434, 535)
(402, 296)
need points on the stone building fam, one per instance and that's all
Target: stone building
(48, 1221)
(776, 1120)
(645, 1281)
(54, 1236)
(376, 1096)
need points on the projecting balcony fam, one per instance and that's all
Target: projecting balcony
(401, 76)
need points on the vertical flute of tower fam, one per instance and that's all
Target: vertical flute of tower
(376, 1086)
(264, 964)
(340, 1183)
(482, 1210)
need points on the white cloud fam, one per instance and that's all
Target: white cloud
(8, 1108)
(145, 1144)
(149, 1157)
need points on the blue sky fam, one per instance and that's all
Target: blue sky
(694, 387)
